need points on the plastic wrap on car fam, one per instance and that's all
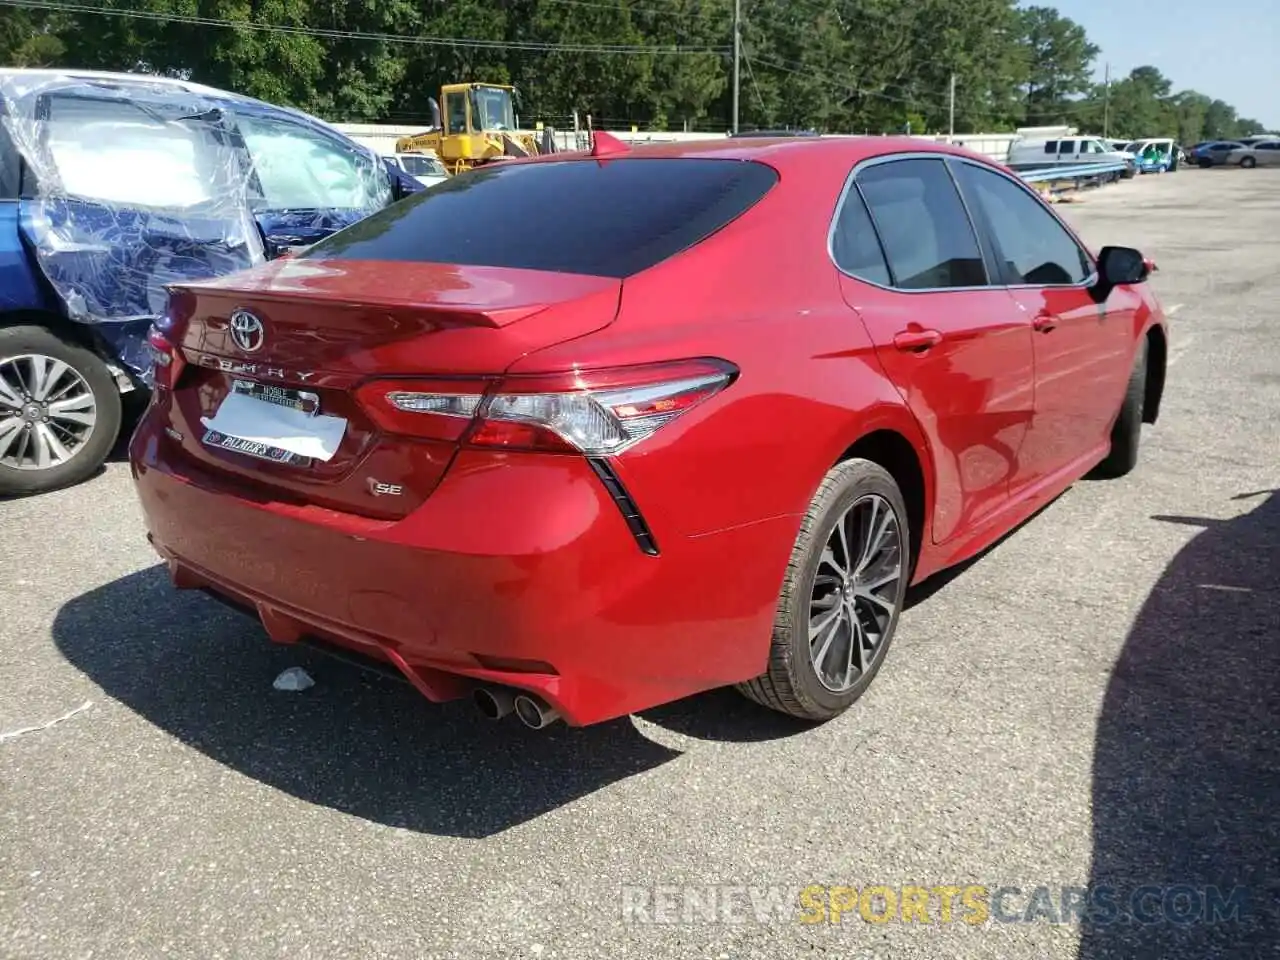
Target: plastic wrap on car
(107, 236)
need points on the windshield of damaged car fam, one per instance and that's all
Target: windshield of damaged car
(120, 153)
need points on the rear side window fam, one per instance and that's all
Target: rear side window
(927, 236)
(854, 243)
(118, 152)
(610, 218)
(1051, 146)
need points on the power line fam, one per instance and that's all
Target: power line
(331, 34)
(746, 58)
(668, 12)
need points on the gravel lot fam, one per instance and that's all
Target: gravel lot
(1094, 700)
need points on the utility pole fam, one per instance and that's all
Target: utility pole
(1106, 105)
(737, 58)
(951, 131)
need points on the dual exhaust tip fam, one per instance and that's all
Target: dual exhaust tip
(498, 702)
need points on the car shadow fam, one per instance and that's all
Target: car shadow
(923, 591)
(134, 405)
(357, 742)
(1186, 772)
(726, 716)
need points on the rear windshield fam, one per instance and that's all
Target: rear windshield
(607, 218)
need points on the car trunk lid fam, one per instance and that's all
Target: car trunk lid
(296, 338)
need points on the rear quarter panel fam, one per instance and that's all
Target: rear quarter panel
(763, 294)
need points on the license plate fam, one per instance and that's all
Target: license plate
(301, 400)
(252, 448)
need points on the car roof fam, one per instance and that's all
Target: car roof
(782, 151)
(141, 78)
(175, 83)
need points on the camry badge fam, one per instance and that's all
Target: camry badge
(247, 331)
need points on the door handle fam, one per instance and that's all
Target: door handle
(1044, 323)
(916, 340)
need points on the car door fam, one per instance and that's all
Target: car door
(1082, 348)
(957, 348)
(1268, 154)
(20, 289)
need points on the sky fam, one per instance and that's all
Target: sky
(1227, 49)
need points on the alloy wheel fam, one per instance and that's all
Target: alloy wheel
(47, 412)
(855, 593)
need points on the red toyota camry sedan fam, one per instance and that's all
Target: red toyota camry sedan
(581, 435)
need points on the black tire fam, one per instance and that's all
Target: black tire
(791, 684)
(86, 458)
(1126, 435)
(1249, 162)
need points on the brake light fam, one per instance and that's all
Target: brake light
(166, 362)
(594, 412)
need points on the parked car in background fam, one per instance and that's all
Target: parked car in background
(1260, 153)
(701, 427)
(1120, 147)
(426, 168)
(111, 187)
(1155, 155)
(1070, 151)
(1213, 152)
(1258, 138)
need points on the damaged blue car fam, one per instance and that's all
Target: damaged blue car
(111, 187)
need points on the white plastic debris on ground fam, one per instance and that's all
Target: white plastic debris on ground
(293, 680)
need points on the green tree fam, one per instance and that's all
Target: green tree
(1139, 107)
(1190, 110)
(1220, 121)
(30, 39)
(1059, 60)
(836, 65)
(1246, 127)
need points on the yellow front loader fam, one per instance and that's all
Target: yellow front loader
(477, 125)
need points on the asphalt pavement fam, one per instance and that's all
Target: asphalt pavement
(1091, 705)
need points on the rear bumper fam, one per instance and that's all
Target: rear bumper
(518, 570)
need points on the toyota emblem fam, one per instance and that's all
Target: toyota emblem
(247, 331)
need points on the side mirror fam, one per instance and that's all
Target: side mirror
(1122, 265)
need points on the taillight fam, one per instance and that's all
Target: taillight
(166, 362)
(432, 409)
(594, 412)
